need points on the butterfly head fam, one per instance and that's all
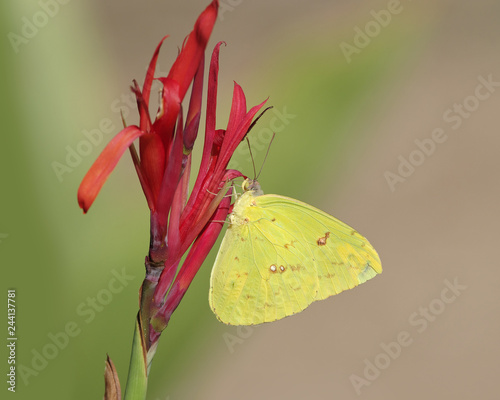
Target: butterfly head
(251, 185)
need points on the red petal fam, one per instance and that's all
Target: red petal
(170, 179)
(189, 59)
(165, 122)
(102, 167)
(142, 106)
(194, 111)
(197, 254)
(233, 138)
(152, 163)
(232, 174)
(204, 242)
(148, 81)
(238, 108)
(213, 78)
(191, 132)
(201, 213)
(209, 128)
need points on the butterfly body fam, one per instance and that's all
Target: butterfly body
(279, 255)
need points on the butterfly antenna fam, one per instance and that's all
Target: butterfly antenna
(251, 156)
(267, 153)
(256, 119)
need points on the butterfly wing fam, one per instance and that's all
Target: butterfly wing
(243, 288)
(283, 256)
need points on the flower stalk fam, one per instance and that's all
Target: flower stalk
(137, 381)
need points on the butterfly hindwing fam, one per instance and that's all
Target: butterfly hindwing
(279, 255)
(244, 288)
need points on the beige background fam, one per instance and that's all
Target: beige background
(440, 224)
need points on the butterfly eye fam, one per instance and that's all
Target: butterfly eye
(250, 184)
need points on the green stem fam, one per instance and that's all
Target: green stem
(137, 381)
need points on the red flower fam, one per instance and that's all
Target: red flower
(155, 138)
(179, 222)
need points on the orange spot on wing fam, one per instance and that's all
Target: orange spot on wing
(322, 240)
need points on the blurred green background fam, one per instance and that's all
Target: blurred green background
(66, 70)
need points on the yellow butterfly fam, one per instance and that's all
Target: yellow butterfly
(279, 255)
